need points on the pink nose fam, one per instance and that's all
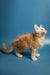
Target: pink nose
(45, 31)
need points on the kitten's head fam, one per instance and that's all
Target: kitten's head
(40, 30)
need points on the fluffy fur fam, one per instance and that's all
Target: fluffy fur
(30, 41)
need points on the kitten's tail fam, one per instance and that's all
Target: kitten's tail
(7, 50)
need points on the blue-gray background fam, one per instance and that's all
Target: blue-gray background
(18, 17)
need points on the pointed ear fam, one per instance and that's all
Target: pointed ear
(41, 26)
(35, 27)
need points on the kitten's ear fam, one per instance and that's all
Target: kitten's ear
(41, 26)
(35, 27)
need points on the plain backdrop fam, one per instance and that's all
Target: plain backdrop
(17, 18)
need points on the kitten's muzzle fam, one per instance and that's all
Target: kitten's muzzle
(43, 33)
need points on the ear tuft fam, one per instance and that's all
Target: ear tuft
(41, 26)
(35, 27)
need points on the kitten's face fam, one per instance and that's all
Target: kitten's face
(40, 30)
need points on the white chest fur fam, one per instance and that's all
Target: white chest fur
(41, 41)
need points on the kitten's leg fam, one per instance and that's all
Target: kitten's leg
(37, 54)
(17, 53)
(33, 54)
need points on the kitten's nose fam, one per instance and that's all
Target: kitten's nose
(45, 31)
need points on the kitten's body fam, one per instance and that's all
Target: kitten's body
(25, 42)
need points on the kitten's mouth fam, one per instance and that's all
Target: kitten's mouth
(43, 33)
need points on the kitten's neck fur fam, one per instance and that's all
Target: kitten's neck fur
(39, 39)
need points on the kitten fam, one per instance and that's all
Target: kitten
(30, 41)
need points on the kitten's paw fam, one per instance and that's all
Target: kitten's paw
(37, 54)
(34, 58)
(20, 56)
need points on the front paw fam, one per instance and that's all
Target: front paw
(37, 54)
(34, 58)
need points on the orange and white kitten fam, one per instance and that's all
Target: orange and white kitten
(30, 41)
